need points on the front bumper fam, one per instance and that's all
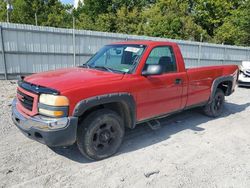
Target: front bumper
(244, 80)
(39, 128)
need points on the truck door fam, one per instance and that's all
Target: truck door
(161, 94)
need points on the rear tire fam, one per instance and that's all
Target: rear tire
(215, 107)
(100, 134)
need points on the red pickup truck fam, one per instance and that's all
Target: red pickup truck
(123, 84)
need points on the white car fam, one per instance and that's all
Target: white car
(244, 77)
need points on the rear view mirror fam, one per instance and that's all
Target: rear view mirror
(155, 69)
(118, 52)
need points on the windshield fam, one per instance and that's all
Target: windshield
(117, 58)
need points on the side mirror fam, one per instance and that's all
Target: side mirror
(153, 69)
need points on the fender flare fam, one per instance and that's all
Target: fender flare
(126, 99)
(218, 81)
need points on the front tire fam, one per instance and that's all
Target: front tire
(215, 108)
(100, 134)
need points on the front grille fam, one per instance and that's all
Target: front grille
(25, 100)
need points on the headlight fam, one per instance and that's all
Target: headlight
(53, 105)
(53, 100)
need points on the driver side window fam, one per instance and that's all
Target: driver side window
(162, 55)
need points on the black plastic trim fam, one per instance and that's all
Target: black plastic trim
(218, 81)
(53, 138)
(125, 99)
(36, 88)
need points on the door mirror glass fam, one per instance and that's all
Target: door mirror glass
(153, 69)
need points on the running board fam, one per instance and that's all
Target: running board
(154, 124)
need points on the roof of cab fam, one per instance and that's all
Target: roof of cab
(146, 42)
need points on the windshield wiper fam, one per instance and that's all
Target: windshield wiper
(109, 69)
(84, 65)
(103, 67)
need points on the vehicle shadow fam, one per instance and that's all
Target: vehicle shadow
(142, 136)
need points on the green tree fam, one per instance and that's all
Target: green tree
(3, 11)
(171, 19)
(110, 15)
(128, 20)
(93, 8)
(49, 12)
(220, 21)
(106, 22)
(132, 4)
(211, 14)
(24, 11)
(58, 15)
(236, 28)
(83, 21)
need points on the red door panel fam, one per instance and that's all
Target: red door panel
(160, 95)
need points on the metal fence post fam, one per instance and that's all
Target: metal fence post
(199, 54)
(224, 56)
(248, 50)
(74, 42)
(3, 53)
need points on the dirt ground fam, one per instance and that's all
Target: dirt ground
(190, 150)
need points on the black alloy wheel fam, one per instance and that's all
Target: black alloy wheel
(100, 134)
(215, 107)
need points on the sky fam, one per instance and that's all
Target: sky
(68, 1)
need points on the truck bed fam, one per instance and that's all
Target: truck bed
(200, 81)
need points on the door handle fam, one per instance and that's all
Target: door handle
(178, 81)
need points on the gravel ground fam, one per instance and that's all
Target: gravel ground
(190, 150)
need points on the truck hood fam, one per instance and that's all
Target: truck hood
(68, 78)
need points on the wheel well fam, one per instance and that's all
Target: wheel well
(119, 107)
(226, 87)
